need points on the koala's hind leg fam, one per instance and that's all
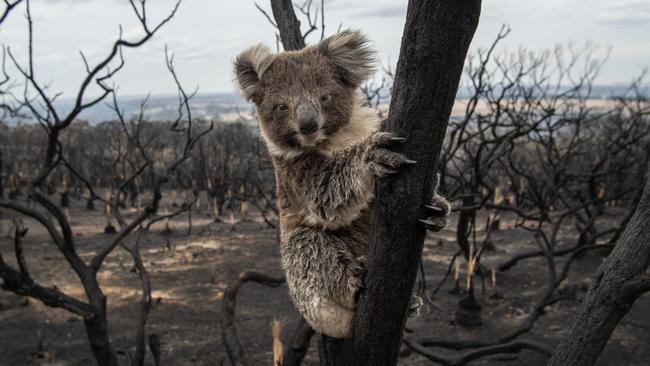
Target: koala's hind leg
(323, 277)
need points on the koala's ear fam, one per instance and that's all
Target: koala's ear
(250, 65)
(350, 53)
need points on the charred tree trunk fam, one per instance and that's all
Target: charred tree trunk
(97, 331)
(437, 35)
(2, 187)
(619, 281)
(288, 25)
(299, 344)
(465, 219)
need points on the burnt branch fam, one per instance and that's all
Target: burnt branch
(21, 283)
(229, 335)
(37, 100)
(8, 7)
(619, 281)
(463, 359)
(145, 302)
(19, 233)
(299, 344)
(100, 73)
(288, 25)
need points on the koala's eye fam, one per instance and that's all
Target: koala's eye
(325, 98)
(281, 107)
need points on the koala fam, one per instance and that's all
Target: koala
(327, 151)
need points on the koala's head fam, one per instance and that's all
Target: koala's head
(305, 97)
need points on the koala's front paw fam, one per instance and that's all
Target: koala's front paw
(415, 306)
(381, 160)
(437, 213)
(356, 269)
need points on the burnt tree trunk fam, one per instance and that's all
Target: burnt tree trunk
(297, 349)
(619, 281)
(2, 187)
(465, 219)
(288, 25)
(100, 343)
(436, 38)
(437, 35)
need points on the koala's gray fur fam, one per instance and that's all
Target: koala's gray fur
(326, 151)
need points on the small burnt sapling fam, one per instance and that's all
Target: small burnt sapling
(468, 311)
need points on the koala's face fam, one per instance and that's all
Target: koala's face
(305, 97)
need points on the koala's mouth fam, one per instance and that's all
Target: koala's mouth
(311, 139)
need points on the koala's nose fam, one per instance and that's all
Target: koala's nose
(307, 119)
(308, 127)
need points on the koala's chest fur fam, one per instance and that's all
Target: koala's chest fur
(351, 226)
(297, 183)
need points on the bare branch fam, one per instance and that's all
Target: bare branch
(512, 347)
(8, 7)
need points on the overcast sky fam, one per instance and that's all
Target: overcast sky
(206, 35)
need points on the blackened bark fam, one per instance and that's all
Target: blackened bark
(100, 343)
(288, 25)
(335, 352)
(465, 218)
(436, 38)
(299, 344)
(619, 281)
(2, 187)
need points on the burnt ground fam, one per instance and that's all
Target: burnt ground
(190, 273)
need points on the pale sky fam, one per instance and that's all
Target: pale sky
(206, 35)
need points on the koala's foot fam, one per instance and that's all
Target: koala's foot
(381, 160)
(415, 306)
(355, 278)
(437, 214)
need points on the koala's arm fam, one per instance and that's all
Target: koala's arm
(337, 189)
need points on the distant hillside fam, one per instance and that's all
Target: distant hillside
(210, 106)
(225, 106)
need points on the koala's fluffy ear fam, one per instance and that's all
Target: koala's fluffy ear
(250, 65)
(350, 53)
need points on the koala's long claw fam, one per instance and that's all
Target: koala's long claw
(435, 209)
(398, 139)
(432, 225)
(415, 306)
(409, 161)
(426, 223)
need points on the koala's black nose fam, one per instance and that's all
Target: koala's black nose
(307, 127)
(307, 118)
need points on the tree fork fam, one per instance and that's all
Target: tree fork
(619, 281)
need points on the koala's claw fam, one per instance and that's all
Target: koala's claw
(437, 215)
(358, 266)
(415, 306)
(383, 161)
(355, 282)
(362, 261)
(435, 209)
(398, 140)
(435, 225)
